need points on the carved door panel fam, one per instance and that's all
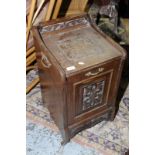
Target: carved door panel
(93, 94)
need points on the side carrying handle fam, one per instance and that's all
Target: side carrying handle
(95, 73)
(45, 62)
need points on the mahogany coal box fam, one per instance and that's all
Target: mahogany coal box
(80, 69)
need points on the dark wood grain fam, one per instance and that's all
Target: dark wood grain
(80, 98)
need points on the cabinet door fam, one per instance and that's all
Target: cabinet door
(91, 93)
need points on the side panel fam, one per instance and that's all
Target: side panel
(53, 84)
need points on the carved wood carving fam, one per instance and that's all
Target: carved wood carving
(63, 25)
(92, 95)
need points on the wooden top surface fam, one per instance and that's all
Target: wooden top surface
(76, 44)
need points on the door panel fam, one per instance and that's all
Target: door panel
(93, 93)
(88, 96)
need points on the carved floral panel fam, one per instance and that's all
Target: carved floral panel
(63, 25)
(92, 95)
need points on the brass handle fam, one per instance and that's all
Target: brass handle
(45, 62)
(92, 74)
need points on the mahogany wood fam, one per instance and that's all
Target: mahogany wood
(80, 69)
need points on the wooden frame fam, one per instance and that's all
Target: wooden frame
(30, 54)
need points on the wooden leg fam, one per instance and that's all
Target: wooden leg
(65, 136)
(112, 115)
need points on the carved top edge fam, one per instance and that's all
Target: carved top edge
(63, 25)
